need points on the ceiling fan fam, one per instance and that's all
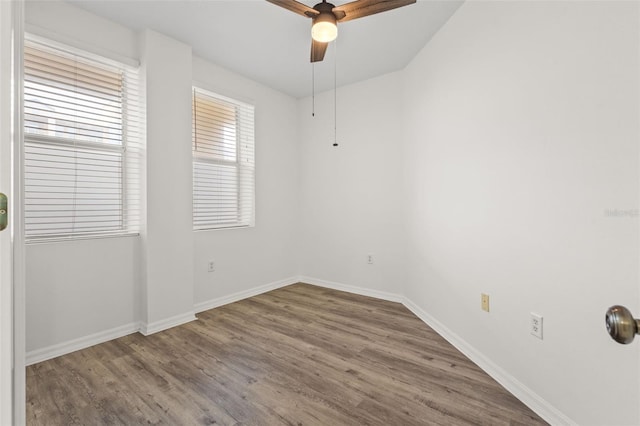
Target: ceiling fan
(325, 17)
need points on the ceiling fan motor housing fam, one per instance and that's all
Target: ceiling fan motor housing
(324, 7)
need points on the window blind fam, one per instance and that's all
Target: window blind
(82, 144)
(223, 162)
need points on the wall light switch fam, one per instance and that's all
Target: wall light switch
(485, 302)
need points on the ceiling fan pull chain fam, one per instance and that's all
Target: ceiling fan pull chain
(335, 93)
(313, 89)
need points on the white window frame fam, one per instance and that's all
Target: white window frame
(244, 165)
(129, 150)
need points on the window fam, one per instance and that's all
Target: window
(223, 162)
(82, 145)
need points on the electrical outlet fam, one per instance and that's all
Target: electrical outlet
(484, 302)
(536, 325)
(370, 259)
(211, 266)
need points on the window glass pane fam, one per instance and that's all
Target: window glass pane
(66, 98)
(215, 194)
(214, 129)
(71, 190)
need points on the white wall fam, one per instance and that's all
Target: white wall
(76, 290)
(492, 171)
(267, 253)
(76, 27)
(167, 236)
(350, 202)
(522, 129)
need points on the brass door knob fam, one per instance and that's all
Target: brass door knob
(4, 220)
(621, 325)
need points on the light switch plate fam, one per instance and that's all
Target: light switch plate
(484, 302)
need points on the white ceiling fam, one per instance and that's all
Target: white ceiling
(271, 45)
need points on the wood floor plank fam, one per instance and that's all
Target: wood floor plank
(299, 355)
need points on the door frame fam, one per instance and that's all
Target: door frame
(6, 280)
(12, 282)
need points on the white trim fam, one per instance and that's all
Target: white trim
(539, 405)
(7, 118)
(64, 348)
(378, 294)
(223, 90)
(528, 397)
(245, 294)
(19, 280)
(63, 41)
(154, 327)
(532, 400)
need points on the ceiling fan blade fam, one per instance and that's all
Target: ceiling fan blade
(339, 14)
(317, 50)
(360, 8)
(296, 7)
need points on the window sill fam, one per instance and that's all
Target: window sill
(69, 239)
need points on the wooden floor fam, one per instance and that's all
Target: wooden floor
(300, 355)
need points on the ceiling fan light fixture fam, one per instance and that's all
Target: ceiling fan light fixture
(324, 28)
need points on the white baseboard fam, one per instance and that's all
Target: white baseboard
(154, 327)
(235, 297)
(64, 348)
(540, 406)
(391, 297)
(532, 400)
(53, 351)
